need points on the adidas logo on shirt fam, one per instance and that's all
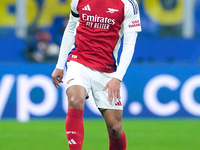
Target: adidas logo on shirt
(87, 8)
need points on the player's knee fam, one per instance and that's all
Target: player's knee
(75, 102)
(115, 130)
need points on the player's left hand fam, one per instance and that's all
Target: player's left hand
(113, 87)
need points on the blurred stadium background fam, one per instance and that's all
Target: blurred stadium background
(162, 82)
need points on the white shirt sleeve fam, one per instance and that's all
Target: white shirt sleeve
(131, 27)
(132, 22)
(73, 6)
(126, 55)
(68, 40)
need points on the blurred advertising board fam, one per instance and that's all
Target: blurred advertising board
(161, 18)
(148, 91)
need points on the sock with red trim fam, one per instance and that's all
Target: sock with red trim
(74, 128)
(117, 144)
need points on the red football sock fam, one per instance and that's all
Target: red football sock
(117, 144)
(74, 128)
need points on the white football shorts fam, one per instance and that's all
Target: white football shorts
(90, 79)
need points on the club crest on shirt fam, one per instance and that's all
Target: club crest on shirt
(111, 10)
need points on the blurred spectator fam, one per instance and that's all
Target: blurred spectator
(44, 49)
(40, 45)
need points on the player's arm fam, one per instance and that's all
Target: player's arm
(66, 44)
(126, 56)
(130, 35)
(131, 27)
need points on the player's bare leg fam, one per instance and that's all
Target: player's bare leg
(113, 119)
(74, 120)
(76, 97)
(117, 138)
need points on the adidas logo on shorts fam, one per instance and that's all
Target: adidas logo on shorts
(119, 103)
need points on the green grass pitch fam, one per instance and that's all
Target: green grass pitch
(142, 134)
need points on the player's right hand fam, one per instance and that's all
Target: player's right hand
(57, 77)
